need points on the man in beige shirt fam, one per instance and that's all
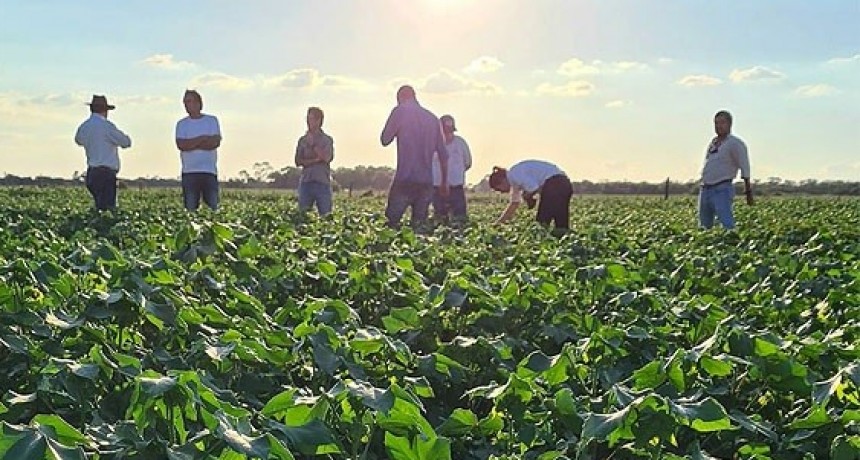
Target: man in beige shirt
(725, 155)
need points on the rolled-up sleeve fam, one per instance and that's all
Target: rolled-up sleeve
(118, 137)
(742, 159)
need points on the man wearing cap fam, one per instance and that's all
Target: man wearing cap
(418, 138)
(459, 161)
(725, 155)
(100, 139)
(198, 137)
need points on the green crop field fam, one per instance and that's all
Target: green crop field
(254, 333)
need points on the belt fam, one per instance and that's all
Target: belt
(722, 182)
(102, 168)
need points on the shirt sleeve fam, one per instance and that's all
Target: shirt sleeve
(217, 127)
(742, 159)
(79, 136)
(390, 129)
(299, 151)
(180, 133)
(329, 149)
(118, 137)
(467, 156)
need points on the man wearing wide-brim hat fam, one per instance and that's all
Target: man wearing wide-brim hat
(100, 139)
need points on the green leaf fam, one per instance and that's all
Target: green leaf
(649, 376)
(705, 416)
(87, 371)
(31, 446)
(279, 403)
(433, 448)
(461, 422)
(564, 402)
(61, 452)
(817, 418)
(764, 348)
(716, 367)
(372, 397)
(821, 391)
(63, 432)
(399, 448)
(156, 386)
(401, 319)
(843, 448)
(598, 427)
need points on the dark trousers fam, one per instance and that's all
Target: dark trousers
(454, 204)
(101, 182)
(199, 185)
(404, 195)
(555, 201)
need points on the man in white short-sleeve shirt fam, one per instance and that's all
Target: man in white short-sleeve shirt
(459, 161)
(535, 177)
(198, 137)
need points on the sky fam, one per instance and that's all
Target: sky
(606, 89)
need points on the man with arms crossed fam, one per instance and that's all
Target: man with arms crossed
(314, 154)
(418, 138)
(198, 137)
(725, 155)
(100, 139)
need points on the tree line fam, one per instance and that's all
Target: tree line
(377, 178)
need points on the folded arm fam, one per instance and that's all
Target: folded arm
(199, 143)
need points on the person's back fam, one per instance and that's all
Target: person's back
(417, 139)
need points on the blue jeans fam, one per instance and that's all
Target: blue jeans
(200, 185)
(315, 192)
(717, 201)
(402, 195)
(101, 182)
(454, 204)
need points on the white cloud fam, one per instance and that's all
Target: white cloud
(166, 61)
(312, 78)
(484, 64)
(576, 67)
(699, 80)
(448, 82)
(756, 73)
(665, 60)
(145, 100)
(845, 60)
(221, 81)
(617, 104)
(818, 90)
(575, 88)
(623, 66)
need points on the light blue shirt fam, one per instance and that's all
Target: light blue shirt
(100, 139)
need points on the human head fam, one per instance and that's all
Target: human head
(315, 118)
(405, 93)
(723, 123)
(499, 180)
(193, 102)
(99, 104)
(448, 125)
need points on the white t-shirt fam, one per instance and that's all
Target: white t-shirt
(529, 176)
(459, 161)
(197, 161)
